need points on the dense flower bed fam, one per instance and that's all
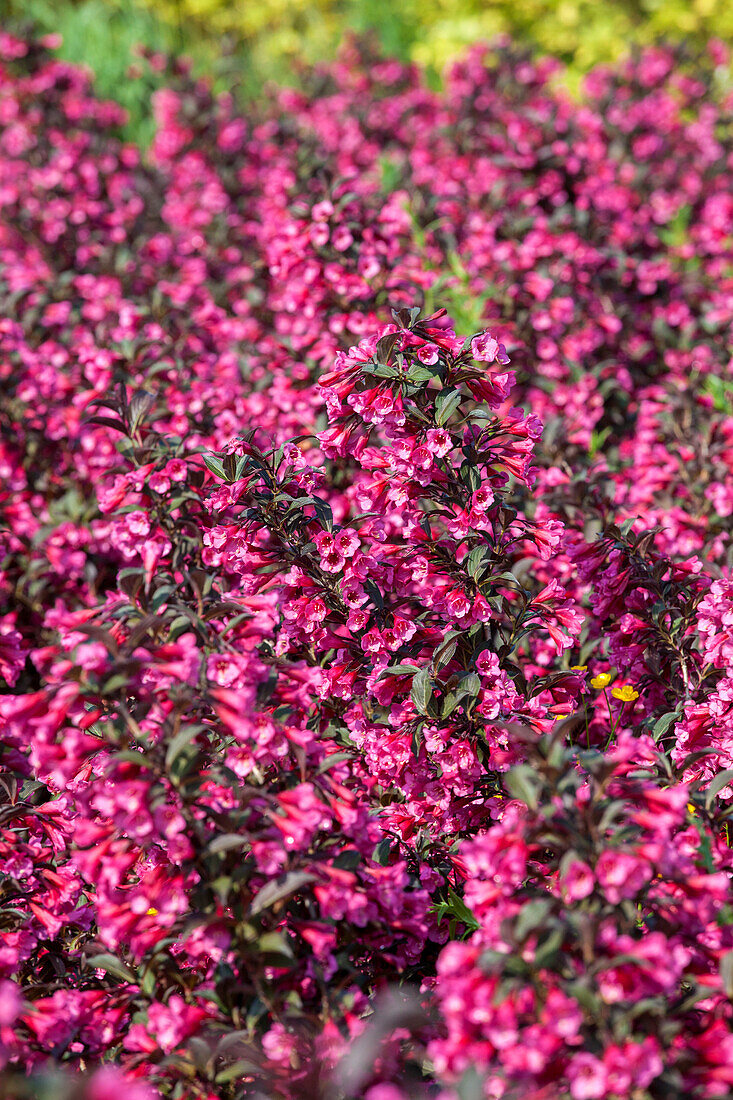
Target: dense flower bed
(368, 711)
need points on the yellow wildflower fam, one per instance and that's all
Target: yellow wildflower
(152, 912)
(578, 668)
(626, 693)
(602, 680)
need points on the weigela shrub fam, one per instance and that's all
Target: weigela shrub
(359, 736)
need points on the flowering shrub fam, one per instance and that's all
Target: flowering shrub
(366, 711)
(582, 33)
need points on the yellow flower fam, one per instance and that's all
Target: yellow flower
(602, 680)
(578, 668)
(152, 912)
(559, 717)
(626, 693)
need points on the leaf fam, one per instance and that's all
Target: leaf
(348, 860)
(399, 670)
(179, 742)
(549, 947)
(382, 852)
(331, 761)
(275, 943)
(406, 317)
(132, 756)
(385, 346)
(722, 779)
(615, 810)
(420, 373)
(131, 583)
(422, 690)
(470, 476)
(374, 594)
(692, 758)
(112, 965)
(229, 464)
(471, 1085)
(279, 889)
(446, 403)
(444, 653)
(457, 907)
(140, 405)
(661, 726)
(470, 685)
(241, 1068)
(200, 1051)
(324, 513)
(531, 916)
(225, 843)
(231, 1038)
(107, 422)
(216, 466)
(523, 783)
(381, 370)
(476, 561)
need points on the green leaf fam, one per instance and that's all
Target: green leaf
(383, 851)
(523, 783)
(422, 690)
(419, 373)
(661, 726)
(467, 688)
(399, 670)
(454, 906)
(446, 403)
(331, 761)
(275, 943)
(324, 513)
(531, 916)
(549, 947)
(225, 843)
(450, 703)
(112, 965)
(470, 476)
(348, 860)
(471, 1085)
(241, 1068)
(722, 779)
(279, 889)
(215, 465)
(179, 742)
(470, 685)
(476, 561)
(444, 653)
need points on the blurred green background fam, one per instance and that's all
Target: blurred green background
(252, 41)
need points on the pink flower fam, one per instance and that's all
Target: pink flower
(439, 441)
(577, 881)
(588, 1077)
(347, 542)
(486, 349)
(428, 354)
(621, 875)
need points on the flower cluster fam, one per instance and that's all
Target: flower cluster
(366, 709)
